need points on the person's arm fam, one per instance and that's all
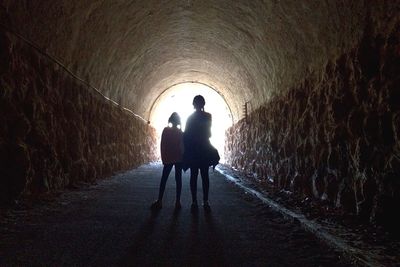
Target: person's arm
(181, 145)
(162, 145)
(188, 131)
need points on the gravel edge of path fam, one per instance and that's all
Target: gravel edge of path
(362, 257)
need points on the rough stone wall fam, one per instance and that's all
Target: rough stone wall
(56, 131)
(247, 50)
(335, 138)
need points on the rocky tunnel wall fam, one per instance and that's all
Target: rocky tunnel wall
(335, 136)
(317, 75)
(57, 131)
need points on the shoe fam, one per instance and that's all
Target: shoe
(206, 206)
(178, 205)
(156, 205)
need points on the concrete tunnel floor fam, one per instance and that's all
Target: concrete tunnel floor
(110, 224)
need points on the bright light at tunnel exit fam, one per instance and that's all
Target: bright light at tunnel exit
(179, 99)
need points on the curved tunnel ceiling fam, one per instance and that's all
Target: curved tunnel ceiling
(133, 50)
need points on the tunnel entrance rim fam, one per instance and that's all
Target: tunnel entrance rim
(175, 84)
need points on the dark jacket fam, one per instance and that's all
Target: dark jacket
(198, 151)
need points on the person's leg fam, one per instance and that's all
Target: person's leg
(166, 171)
(178, 180)
(194, 172)
(205, 182)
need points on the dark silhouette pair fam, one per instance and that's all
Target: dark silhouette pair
(191, 149)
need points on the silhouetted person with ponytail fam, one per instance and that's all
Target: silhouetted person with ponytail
(171, 155)
(199, 154)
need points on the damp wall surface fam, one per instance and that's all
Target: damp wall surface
(246, 50)
(57, 131)
(335, 137)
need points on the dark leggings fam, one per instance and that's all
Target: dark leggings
(178, 178)
(194, 173)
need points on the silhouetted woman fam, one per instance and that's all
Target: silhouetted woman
(199, 154)
(171, 155)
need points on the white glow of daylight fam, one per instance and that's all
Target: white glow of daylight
(179, 99)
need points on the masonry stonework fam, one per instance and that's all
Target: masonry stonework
(56, 131)
(335, 138)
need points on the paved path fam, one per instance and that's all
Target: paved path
(110, 224)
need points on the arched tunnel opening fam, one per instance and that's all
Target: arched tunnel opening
(320, 81)
(178, 98)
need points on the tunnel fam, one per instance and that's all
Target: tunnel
(312, 89)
